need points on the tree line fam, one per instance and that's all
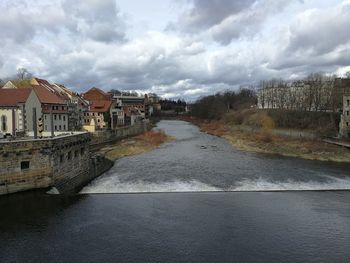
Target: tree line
(317, 92)
(215, 106)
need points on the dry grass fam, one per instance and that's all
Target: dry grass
(264, 142)
(306, 149)
(136, 145)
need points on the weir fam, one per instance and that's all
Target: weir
(66, 162)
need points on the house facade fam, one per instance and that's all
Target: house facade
(98, 112)
(47, 106)
(12, 110)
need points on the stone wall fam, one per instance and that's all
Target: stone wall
(101, 137)
(30, 164)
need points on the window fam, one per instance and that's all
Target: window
(348, 103)
(69, 156)
(347, 113)
(82, 151)
(61, 158)
(55, 127)
(55, 117)
(53, 107)
(59, 117)
(98, 120)
(24, 165)
(347, 124)
(76, 153)
(60, 127)
(64, 118)
(45, 116)
(3, 123)
(64, 127)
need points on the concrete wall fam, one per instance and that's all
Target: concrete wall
(30, 164)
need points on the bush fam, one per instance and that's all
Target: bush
(260, 120)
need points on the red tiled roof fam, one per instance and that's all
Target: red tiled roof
(95, 94)
(100, 105)
(12, 97)
(45, 96)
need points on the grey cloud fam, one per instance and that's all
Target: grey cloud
(15, 27)
(98, 20)
(206, 13)
(228, 20)
(321, 31)
(318, 41)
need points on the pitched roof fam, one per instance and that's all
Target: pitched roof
(12, 97)
(45, 96)
(100, 105)
(96, 94)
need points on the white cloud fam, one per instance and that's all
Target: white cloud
(85, 44)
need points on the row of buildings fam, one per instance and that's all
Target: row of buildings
(327, 94)
(25, 105)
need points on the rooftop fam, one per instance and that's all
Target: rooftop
(13, 97)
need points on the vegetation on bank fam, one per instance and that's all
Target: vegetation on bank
(262, 141)
(234, 116)
(145, 142)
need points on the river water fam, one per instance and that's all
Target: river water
(196, 161)
(196, 225)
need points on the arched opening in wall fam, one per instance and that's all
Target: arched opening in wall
(3, 123)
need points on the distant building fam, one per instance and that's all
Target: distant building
(117, 114)
(75, 104)
(304, 95)
(344, 125)
(12, 110)
(77, 107)
(46, 104)
(134, 108)
(152, 104)
(99, 107)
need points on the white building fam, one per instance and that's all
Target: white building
(46, 104)
(12, 110)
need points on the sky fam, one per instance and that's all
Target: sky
(175, 48)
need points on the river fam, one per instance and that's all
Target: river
(196, 161)
(207, 218)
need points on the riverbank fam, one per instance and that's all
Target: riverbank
(142, 143)
(265, 142)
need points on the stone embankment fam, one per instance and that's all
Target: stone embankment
(66, 163)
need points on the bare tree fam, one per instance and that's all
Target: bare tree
(347, 75)
(23, 73)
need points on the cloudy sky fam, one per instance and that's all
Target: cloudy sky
(176, 48)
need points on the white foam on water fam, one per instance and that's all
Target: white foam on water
(113, 185)
(264, 185)
(53, 191)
